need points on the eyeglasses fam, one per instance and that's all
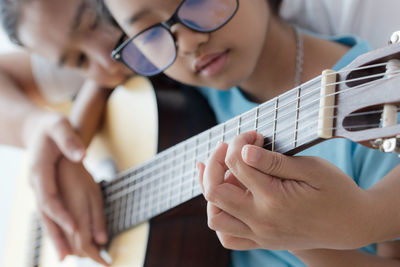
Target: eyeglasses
(154, 49)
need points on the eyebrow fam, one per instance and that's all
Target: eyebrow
(134, 18)
(76, 21)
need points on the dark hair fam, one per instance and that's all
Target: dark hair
(10, 12)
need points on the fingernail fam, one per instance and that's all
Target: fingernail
(105, 256)
(250, 154)
(101, 237)
(78, 154)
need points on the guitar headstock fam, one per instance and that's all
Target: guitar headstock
(367, 99)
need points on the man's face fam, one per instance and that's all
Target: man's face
(71, 34)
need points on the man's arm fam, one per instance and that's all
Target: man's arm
(18, 90)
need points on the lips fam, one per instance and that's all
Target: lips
(210, 63)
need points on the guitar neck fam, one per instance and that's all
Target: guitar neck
(288, 122)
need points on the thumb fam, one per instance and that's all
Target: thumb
(277, 164)
(68, 141)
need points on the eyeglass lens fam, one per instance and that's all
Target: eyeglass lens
(154, 50)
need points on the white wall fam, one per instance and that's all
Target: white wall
(10, 159)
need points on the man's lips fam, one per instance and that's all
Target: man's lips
(205, 61)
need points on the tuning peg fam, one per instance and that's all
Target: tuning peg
(395, 38)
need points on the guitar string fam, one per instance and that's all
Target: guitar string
(129, 190)
(293, 102)
(186, 152)
(134, 207)
(366, 67)
(315, 89)
(164, 163)
(261, 126)
(137, 206)
(138, 210)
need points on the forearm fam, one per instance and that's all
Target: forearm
(343, 258)
(384, 206)
(87, 112)
(16, 113)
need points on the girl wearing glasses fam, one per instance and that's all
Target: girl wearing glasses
(241, 54)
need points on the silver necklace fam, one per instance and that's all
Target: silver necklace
(299, 57)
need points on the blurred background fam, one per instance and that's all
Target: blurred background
(10, 161)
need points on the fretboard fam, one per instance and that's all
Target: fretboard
(288, 122)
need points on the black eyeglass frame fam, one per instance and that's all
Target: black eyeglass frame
(116, 54)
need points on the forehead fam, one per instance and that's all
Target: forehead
(123, 10)
(45, 25)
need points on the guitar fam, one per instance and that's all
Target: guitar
(348, 104)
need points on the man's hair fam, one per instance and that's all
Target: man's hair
(10, 12)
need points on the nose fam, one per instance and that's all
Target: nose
(102, 58)
(187, 40)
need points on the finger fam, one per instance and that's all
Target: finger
(67, 140)
(99, 229)
(220, 221)
(83, 239)
(200, 169)
(276, 164)
(57, 237)
(227, 196)
(251, 178)
(230, 178)
(49, 200)
(236, 243)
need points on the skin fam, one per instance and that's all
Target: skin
(57, 141)
(273, 198)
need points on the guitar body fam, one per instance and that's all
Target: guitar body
(135, 115)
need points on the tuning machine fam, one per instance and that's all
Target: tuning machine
(389, 145)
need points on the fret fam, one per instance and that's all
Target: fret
(136, 204)
(146, 197)
(155, 189)
(308, 112)
(239, 125)
(189, 168)
(266, 121)
(223, 132)
(129, 211)
(286, 115)
(177, 176)
(117, 210)
(256, 115)
(230, 129)
(165, 182)
(182, 175)
(296, 124)
(170, 182)
(275, 124)
(122, 216)
(195, 160)
(208, 144)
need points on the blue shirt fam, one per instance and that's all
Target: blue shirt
(366, 166)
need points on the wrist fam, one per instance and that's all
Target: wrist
(36, 124)
(383, 211)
